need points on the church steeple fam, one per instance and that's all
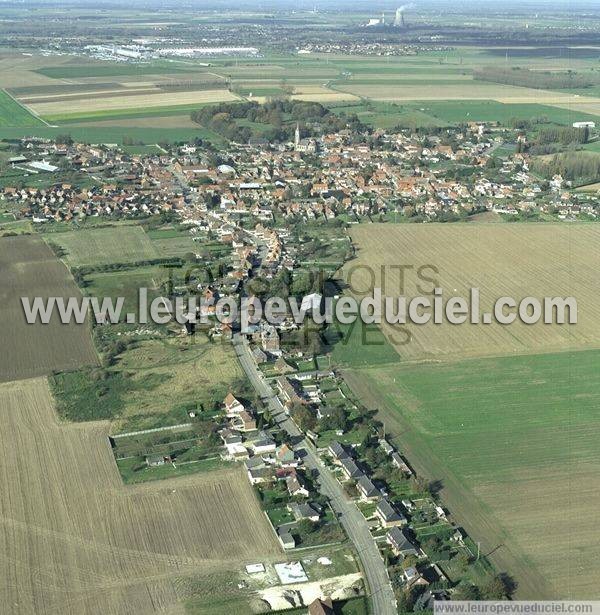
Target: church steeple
(297, 135)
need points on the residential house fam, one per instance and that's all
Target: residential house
(337, 451)
(287, 391)
(388, 516)
(399, 462)
(269, 340)
(285, 457)
(244, 421)
(387, 448)
(413, 578)
(259, 355)
(296, 486)
(232, 405)
(459, 536)
(283, 473)
(256, 476)
(320, 606)
(254, 463)
(367, 489)
(305, 510)
(263, 444)
(400, 542)
(350, 469)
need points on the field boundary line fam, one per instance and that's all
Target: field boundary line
(25, 108)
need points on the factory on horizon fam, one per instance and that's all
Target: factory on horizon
(399, 21)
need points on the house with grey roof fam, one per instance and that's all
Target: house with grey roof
(400, 542)
(337, 451)
(350, 469)
(367, 489)
(285, 537)
(305, 510)
(388, 515)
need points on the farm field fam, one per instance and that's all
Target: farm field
(175, 246)
(110, 69)
(381, 114)
(99, 546)
(158, 96)
(475, 90)
(173, 120)
(117, 132)
(494, 111)
(517, 260)
(516, 455)
(28, 268)
(114, 244)
(13, 114)
(55, 110)
(126, 283)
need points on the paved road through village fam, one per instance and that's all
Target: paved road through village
(375, 571)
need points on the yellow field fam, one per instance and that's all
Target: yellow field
(146, 101)
(320, 94)
(474, 91)
(583, 105)
(517, 260)
(77, 542)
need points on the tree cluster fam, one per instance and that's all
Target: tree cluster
(279, 118)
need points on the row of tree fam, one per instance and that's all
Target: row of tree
(543, 80)
(573, 166)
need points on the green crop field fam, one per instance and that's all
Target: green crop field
(441, 113)
(118, 114)
(514, 442)
(493, 111)
(126, 283)
(13, 114)
(389, 115)
(115, 244)
(113, 134)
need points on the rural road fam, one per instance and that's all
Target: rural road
(375, 571)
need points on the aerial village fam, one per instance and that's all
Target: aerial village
(341, 176)
(312, 453)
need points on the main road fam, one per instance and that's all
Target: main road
(353, 521)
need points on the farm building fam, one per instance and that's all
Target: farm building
(285, 538)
